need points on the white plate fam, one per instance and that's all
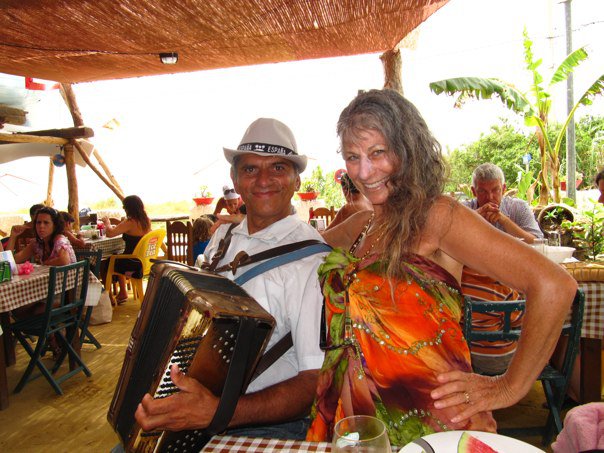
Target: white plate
(446, 442)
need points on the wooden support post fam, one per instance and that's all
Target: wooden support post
(392, 62)
(106, 168)
(70, 100)
(72, 182)
(51, 174)
(93, 167)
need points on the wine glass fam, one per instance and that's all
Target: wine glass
(360, 433)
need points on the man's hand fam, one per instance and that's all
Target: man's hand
(490, 212)
(191, 408)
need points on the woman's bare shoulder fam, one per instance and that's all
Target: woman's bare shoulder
(344, 234)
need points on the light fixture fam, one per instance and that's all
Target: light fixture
(168, 57)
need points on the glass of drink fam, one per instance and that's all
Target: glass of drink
(539, 245)
(360, 433)
(553, 239)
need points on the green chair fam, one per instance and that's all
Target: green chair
(555, 382)
(62, 314)
(94, 258)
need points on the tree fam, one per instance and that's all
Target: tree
(505, 145)
(535, 110)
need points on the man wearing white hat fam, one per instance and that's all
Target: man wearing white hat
(265, 170)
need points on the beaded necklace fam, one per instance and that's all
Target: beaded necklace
(365, 233)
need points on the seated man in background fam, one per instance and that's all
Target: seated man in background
(265, 169)
(515, 217)
(509, 214)
(18, 230)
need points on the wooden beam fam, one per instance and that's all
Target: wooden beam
(72, 181)
(104, 166)
(114, 189)
(392, 62)
(26, 138)
(68, 132)
(72, 104)
(51, 174)
(12, 115)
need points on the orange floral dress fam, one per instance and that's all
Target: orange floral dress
(387, 342)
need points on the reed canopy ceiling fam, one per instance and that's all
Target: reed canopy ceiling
(86, 40)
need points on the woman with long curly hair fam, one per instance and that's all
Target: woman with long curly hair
(395, 348)
(132, 228)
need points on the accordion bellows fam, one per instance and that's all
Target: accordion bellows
(207, 325)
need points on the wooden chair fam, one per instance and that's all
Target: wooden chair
(322, 213)
(147, 249)
(555, 382)
(94, 258)
(180, 242)
(63, 313)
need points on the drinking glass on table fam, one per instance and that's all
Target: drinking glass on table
(539, 245)
(553, 238)
(360, 433)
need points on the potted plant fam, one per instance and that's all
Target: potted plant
(204, 198)
(578, 181)
(587, 232)
(307, 191)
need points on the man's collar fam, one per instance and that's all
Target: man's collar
(274, 232)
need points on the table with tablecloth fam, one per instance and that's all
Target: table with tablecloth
(229, 444)
(109, 246)
(26, 289)
(590, 279)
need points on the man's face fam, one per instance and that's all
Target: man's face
(488, 192)
(266, 185)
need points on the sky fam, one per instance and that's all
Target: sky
(172, 128)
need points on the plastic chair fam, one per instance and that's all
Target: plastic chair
(63, 312)
(147, 249)
(94, 258)
(323, 213)
(180, 242)
(555, 382)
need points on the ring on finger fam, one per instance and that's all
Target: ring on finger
(467, 397)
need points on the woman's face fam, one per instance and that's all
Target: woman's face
(44, 226)
(370, 164)
(232, 205)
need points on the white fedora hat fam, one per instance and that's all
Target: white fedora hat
(268, 137)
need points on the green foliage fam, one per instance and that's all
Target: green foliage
(325, 184)
(505, 146)
(535, 111)
(204, 191)
(588, 232)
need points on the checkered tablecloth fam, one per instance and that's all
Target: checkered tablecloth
(229, 444)
(26, 289)
(593, 318)
(109, 246)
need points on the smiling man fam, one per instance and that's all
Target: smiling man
(265, 170)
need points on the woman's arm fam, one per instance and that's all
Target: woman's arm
(125, 226)
(61, 259)
(344, 234)
(24, 254)
(549, 291)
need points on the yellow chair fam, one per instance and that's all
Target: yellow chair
(147, 249)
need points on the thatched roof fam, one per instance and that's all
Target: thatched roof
(79, 41)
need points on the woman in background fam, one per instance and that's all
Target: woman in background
(355, 202)
(132, 229)
(75, 240)
(201, 235)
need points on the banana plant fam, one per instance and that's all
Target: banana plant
(533, 105)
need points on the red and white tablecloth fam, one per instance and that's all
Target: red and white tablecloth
(25, 289)
(109, 246)
(593, 317)
(229, 444)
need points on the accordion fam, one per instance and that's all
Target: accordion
(206, 324)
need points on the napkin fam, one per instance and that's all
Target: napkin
(25, 268)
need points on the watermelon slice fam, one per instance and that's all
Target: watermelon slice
(470, 444)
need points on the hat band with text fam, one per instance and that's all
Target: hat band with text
(266, 148)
